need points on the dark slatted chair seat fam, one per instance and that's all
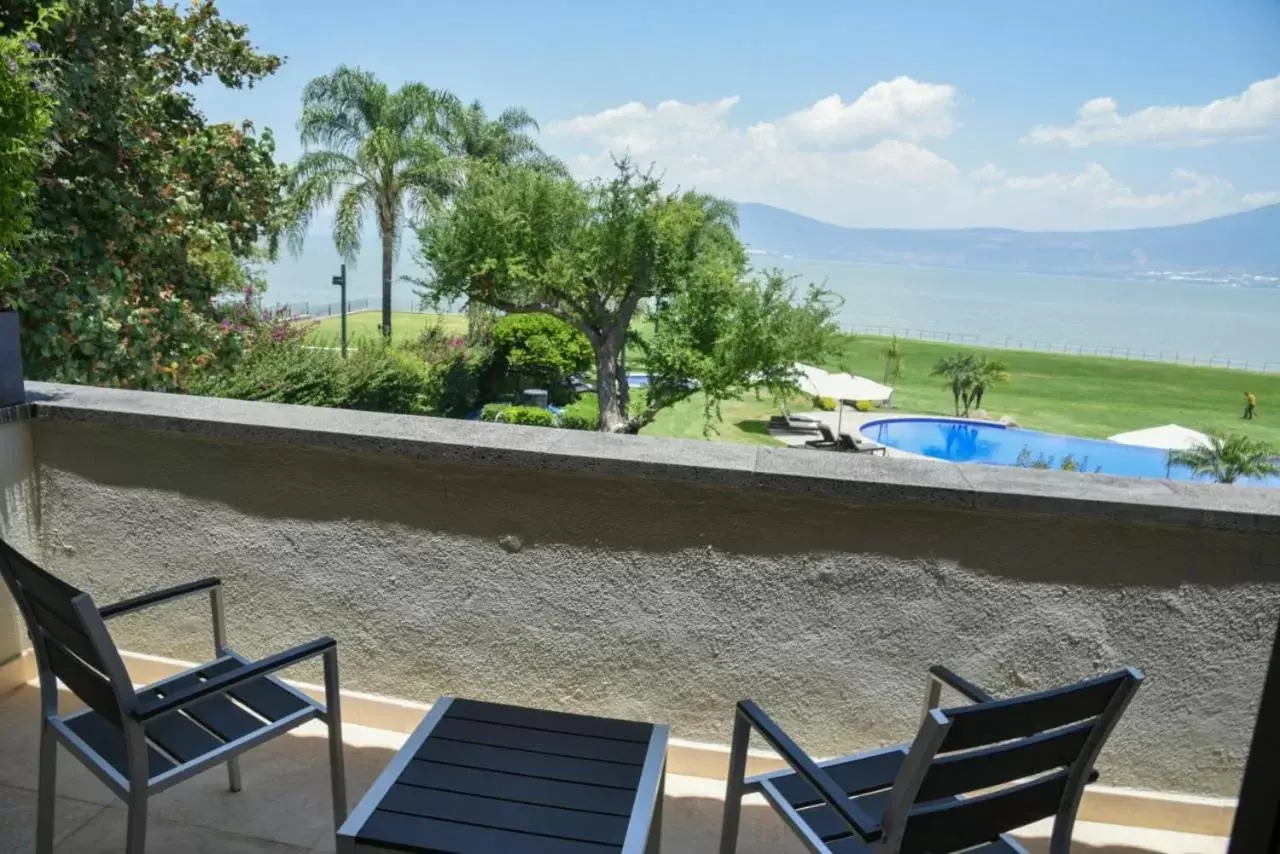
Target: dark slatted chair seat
(205, 726)
(973, 773)
(142, 742)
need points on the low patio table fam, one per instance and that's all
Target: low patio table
(484, 778)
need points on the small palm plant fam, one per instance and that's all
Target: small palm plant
(958, 372)
(893, 361)
(1227, 458)
(986, 373)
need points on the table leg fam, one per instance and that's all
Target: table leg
(655, 826)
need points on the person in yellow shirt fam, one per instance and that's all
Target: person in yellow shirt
(1250, 405)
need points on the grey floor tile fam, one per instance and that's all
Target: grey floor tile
(286, 795)
(20, 753)
(18, 819)
(105, 834)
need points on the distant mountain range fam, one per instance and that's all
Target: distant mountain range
(1242, 249)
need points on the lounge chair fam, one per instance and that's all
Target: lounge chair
(141, 742)
(972, 775)
(861, 445)
(799, 423)
(828, 441)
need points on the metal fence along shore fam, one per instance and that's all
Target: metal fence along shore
(1012, 342)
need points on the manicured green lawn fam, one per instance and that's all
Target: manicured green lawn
(1080, 395)
(366, 325)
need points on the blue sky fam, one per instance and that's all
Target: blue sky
(1025, 114)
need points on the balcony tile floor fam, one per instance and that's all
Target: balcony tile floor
(284, 807)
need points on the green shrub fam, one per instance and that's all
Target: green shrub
(540, 349)
(582, 415)
(377, 379)
(384, 379)
(280, 373)
(531, 416)
(578, 421)
(491, 410)
(459, 381)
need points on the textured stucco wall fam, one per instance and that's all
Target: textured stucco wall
(666, 601)
(17, 504)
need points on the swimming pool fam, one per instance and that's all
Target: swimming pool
(994, 444)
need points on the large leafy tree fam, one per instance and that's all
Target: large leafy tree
(26, 107)
(372, 151)
(1228, 458)
(531, 241)
(144, 212)
(474, 138)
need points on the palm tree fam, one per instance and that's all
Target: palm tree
(469, 133)
(373, 150)
(986, 373)
(1228, 458)
(959, 371)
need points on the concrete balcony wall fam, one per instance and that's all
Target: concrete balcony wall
(17, 522)
(665, 579)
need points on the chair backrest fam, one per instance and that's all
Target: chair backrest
(1016, 761)
(847, 443)
(71, 642)
(827, 435)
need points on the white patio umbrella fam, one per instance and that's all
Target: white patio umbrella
(841, 387)
(1169, 437)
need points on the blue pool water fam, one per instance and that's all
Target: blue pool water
(994, 444)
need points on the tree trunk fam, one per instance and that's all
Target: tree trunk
(612, 418)
(388, 249)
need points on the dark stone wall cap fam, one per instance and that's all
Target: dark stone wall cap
(856, 478)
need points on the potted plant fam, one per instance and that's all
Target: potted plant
(11, 390)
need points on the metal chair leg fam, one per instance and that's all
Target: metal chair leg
(136, 842)
(233, 773)
(333, 715)
(733, 790)
(48, 789)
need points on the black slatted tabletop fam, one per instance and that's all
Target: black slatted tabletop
(482, 777)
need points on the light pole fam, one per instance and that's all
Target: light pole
(341, 281)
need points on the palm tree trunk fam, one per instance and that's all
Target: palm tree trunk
(388, 249)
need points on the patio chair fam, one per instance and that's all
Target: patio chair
(141, 742)
(972, 775)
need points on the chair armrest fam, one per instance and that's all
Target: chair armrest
(226, 681)
(970, 691)
(146, 600)
(853, 815)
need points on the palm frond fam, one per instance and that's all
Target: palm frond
(352, 93)
(516, 120)
(311, 184)
(348, 221)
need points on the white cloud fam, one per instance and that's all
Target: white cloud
(1096, 189)
(1254, 113)
(1257, 200)
(898, 107)
(636, 128)
(872, 172)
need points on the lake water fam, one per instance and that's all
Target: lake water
(1181, 320)
(1178, 319)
